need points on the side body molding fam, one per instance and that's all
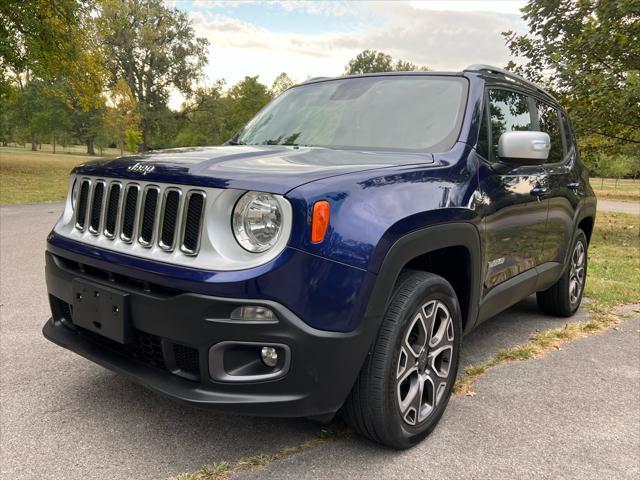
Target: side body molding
(420, 242)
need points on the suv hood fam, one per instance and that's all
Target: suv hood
(274, 169)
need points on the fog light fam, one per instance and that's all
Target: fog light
(269, 356)
(255, 313)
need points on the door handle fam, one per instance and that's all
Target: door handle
(539, 191)
(573, 185)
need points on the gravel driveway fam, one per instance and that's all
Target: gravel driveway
(573, 413)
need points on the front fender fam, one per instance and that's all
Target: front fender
(420, 242)
(371, 210)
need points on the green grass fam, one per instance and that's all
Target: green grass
(31, 177)
(610, 189)
(614, 260)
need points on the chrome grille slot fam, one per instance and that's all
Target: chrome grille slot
(169, 219)
(148, 220)
(83, 204)
(129, 212)
(192, 225)
(113, 205)
(96, 207)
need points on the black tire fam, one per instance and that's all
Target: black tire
(373, 408)
(557, 300)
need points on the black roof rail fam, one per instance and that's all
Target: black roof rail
(314, 79)
(507, 74)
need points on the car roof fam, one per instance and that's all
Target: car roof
(486, 72)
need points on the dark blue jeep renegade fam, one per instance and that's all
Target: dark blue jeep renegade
(333, 253)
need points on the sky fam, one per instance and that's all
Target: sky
(310, 39)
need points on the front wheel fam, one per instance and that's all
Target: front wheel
(563, 298)
(406, 381)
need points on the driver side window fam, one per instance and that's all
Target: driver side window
(509, 111)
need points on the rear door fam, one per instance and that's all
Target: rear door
(565, 189)
(515, 205)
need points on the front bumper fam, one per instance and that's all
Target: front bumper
(174, 331)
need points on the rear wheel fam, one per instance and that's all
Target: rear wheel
(405, 383)
(564, 297)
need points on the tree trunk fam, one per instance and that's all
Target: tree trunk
(34, 144)
(90, 149)
(54, 144)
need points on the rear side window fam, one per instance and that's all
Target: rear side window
(568, 133)
(509, 112)
(549, 123)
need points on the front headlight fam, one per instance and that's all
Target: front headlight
(257, 221)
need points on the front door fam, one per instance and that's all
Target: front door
(515, 201)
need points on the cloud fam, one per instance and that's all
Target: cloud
(440, 39)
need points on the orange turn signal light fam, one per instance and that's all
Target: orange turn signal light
(320, 221)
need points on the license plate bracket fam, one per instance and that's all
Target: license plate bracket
(102, 310)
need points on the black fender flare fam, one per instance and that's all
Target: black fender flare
(420, 242)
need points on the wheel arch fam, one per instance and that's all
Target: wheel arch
(441, 249)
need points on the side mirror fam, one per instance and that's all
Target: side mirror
(524, 147)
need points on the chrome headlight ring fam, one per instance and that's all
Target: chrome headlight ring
(257, 221)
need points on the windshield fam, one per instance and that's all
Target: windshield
(410, 112)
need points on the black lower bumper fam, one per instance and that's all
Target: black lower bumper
(173, 333)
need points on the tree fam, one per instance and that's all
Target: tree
(205, 117)
(246, 98)
(121, 115)
(588, 52)
(51, 119)
(8, 96)
(154, 49)
(280, 84)
(51, 40)
(28, 102)
(372, 61)
(87, 125)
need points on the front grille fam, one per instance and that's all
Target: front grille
(130, 209)
(113, 205)
(147, 348)
(187, 359)
(96, 208)
(148, 215)
(81, 208)
(170, 219)
(192, 224)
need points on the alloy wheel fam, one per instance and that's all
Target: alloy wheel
(424, 362)
(577, 273)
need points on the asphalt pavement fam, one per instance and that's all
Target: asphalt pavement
(572, 414)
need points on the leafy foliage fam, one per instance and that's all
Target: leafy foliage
(588, 52)
(51, 40)
(153, 48)
(372, 61)
(121, 118)
(280, 84)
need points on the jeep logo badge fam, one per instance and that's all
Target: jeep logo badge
(141, 168)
